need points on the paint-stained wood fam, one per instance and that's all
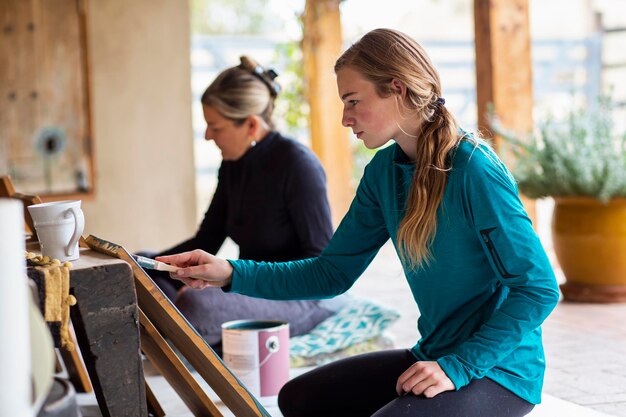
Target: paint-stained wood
(175, 327)
(321, 46)
(44, 94)
(504, 67)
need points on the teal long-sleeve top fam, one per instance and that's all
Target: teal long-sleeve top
(483, 296)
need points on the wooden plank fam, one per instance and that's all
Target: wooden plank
(75, 366)
(6, 187)
(504, 68)
(176, 374)
(86, 134)
(28, 200)
(76, 370)
(175, 327)
(154, 407)
(106, 322)
(321, 46)
(7, 82)
(43, 88)
(58, 368)
(7, 190)
(59, 91)
(21, 71)
(105, 319)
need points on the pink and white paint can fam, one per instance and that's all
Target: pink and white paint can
(257, 351)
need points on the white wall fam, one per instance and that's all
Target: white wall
(141, 109)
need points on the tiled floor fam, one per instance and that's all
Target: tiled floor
(585, 347)
(586, 355)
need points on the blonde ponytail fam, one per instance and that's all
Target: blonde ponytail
(383, 55)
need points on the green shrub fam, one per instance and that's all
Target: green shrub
(580, 154)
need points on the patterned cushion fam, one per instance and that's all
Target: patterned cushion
(359, 321)
(374, 344)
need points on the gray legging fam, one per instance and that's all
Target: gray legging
(365, 385)
(207, 309)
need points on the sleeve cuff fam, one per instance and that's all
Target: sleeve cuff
(454, 370)
(235, 282)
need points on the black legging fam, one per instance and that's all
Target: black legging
(365, 385)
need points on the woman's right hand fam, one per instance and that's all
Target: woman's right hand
(199, 269)
(424, 378)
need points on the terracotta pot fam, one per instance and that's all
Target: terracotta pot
(590, 244)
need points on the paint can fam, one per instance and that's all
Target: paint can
(257, 351)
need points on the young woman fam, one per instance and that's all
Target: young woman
(270, 199)
(476, 268)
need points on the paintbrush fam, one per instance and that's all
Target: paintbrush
(157, 265)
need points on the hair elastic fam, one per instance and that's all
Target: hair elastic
(440, 101)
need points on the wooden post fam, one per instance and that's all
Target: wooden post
(321, 46)
(504, 67)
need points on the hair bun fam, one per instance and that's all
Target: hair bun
(247, 63)
(267, 76)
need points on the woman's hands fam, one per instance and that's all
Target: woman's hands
(199, 269)
(425, 378)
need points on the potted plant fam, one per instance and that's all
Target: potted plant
(580, 161)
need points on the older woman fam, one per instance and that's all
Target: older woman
(270, 199)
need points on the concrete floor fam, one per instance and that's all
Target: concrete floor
(585, 348)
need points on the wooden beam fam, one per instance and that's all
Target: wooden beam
(503, 62)
(504, 67)
(321, 46)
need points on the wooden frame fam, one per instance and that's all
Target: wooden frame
(46, 139)
(158, 309)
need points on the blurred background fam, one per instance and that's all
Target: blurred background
(124, 131)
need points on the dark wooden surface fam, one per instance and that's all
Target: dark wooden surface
(105, 319)
(192, 346)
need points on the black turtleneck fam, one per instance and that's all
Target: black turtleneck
(272, 202)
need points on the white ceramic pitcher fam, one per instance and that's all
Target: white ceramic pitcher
(59, 226)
